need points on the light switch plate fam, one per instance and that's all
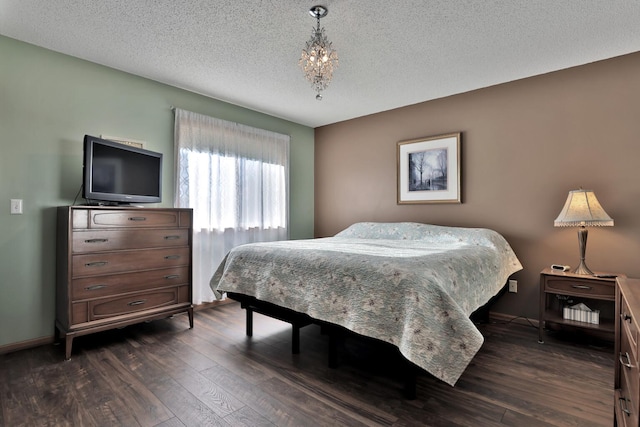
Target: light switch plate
(16, 206)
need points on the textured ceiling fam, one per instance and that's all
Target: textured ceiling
(391, 53)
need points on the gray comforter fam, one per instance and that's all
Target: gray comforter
(411, 285)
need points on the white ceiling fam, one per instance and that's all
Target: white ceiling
(391, 54)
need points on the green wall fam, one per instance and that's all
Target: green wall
(48, 102)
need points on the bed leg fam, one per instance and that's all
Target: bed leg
(249, 322)
(333, 348)
(410, 381)
(410, 387)
(295, 338)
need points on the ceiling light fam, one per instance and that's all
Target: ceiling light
(318, 58)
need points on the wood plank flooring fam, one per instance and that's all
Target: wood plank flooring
(163, 374)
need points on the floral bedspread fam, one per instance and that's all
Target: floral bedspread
(412, 285)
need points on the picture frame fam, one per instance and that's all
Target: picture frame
(429, 170)
(126, 141)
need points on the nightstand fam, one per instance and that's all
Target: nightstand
(557, 285)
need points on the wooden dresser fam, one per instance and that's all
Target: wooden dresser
(627, 378)
(121, 265)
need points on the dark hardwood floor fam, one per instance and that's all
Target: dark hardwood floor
(163, 374)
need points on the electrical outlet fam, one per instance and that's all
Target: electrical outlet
(513, 286)
(16, 206)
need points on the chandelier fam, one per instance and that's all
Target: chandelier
(318, 58)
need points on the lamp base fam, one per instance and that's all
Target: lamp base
(583, 269)
(582, 241)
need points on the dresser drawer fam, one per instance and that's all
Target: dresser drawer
(625, 417)
(99, 286)
(129, 218)
(629, 371)
(584, 288)
(124, 261)
(110, 240)
(121, 305)
(629, 327)
(131, 303)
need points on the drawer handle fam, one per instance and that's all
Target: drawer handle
(95, 287)
(172, 276)
(625, 317)
(581, 287)
(172, 257)
(174, 237)
(137, 218)
(626, 364)
(96, 240)
(623, 407)
(96, 264)
(138, 302)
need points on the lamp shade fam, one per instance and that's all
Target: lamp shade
(582, 209)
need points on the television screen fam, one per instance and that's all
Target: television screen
(120, 174)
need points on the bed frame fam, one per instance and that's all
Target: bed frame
(336, 335)
(296, 319)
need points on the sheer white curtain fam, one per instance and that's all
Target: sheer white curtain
(236, 179)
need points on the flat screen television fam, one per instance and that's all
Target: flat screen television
(119, 174)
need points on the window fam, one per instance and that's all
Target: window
(235, 178)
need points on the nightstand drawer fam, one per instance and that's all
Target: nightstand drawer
(578, 287)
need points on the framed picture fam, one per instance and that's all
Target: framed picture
(429, 170)
(125, 141)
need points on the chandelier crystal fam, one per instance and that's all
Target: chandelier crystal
(318, 59)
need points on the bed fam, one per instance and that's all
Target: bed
(408, 284)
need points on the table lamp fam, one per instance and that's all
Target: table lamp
(582, 209)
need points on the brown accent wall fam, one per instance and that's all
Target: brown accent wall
(525, 144)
